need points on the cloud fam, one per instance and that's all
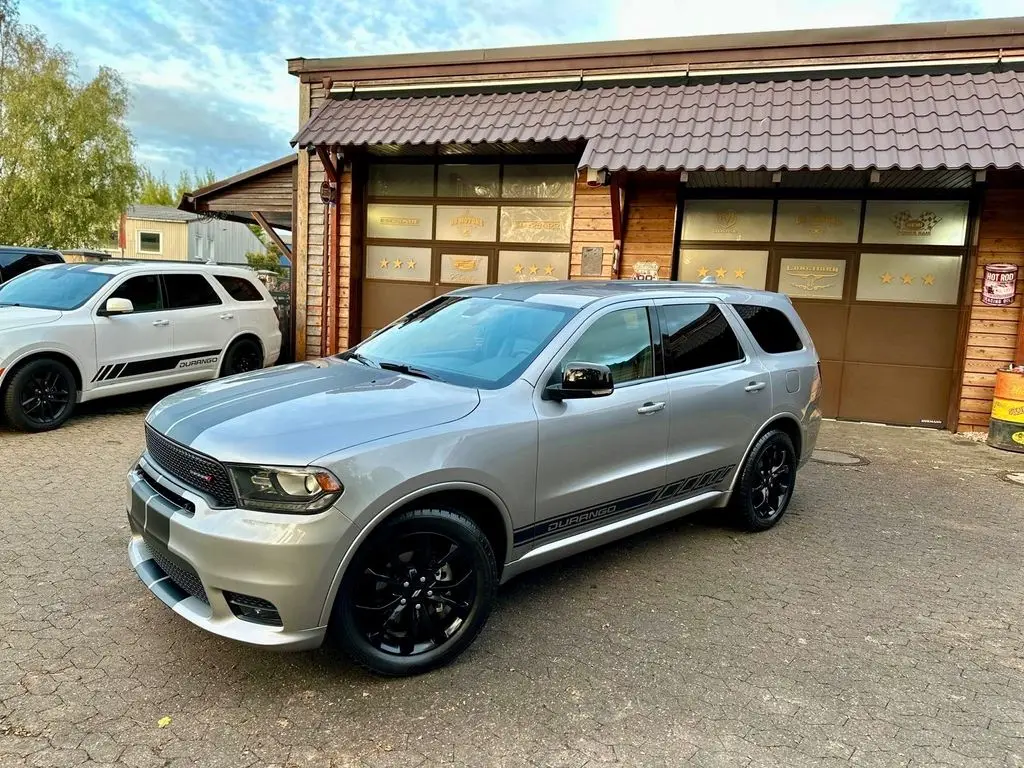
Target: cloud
(210, 85)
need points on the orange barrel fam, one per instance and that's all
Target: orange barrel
(1006, 430)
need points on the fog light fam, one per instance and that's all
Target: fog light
(254, 609)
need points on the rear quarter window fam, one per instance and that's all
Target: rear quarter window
(770, 328)
(239, 288)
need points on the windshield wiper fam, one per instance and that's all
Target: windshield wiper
(359, 359)
(408, 370)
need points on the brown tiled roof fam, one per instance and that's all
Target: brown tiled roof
(906, 121)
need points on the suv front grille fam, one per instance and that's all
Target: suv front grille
(177, 570)
(197, 471)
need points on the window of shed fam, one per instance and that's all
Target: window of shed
(149, 242)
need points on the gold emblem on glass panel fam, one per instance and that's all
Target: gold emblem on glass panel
(908, 279)
(411, 264)
(549, 270)
(384, 263)
(812, 277)
(465, 265)
(518, 268)
(534, 269)
(741, 273)
(915, 226)
(397, 263)
(703, 272)
(887, 278)
(720, 273)
(726, 221)
(928, 279)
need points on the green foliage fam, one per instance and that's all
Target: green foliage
(156, 190)
(271, 260)
(67, 168)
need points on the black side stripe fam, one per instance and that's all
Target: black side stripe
(153, 365)
(620, 507)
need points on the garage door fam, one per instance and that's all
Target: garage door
(431, 228)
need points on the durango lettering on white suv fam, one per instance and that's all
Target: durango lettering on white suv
(70, 333)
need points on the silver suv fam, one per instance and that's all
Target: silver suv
(378, 498)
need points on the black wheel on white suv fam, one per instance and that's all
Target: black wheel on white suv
(765, 485)
(40, 395)
(417, 593)
(243, 356)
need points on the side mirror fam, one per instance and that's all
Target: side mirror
(117, 307)
(581, 380)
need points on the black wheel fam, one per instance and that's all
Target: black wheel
(40, 395)
(417, 593)
(243, 356)
(765, 485)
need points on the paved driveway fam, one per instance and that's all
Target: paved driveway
(878, 624)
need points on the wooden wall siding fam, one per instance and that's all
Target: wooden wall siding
(650, 222)
(173, 239)
(591, 226)
(992, 334)
(271, 192)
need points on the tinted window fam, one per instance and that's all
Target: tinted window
(16, 263)
(189, 291)
(149, 242)
(53, 288)
(697, 336)
(239, 288)
(622, 341)
(770, 328)
(143, 292)
(474, 342)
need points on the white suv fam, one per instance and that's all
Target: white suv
(76, 332)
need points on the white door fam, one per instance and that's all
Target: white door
(203, 322)
(137, 347)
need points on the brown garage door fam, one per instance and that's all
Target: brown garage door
(434, 227)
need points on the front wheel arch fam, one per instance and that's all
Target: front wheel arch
(244, 336)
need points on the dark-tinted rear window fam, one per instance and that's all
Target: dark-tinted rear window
(770, 328)
(239, 288)
(696, 336)
(185, 291)
(14, 263)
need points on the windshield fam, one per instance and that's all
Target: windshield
(52, 288)
(470, 341)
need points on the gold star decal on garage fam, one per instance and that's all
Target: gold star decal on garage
(549, 270)
(720, 273)
(908, 279)
(740, 273)
(397, 263)
(534, 269)
(886, 278)
(411, 264)
(518, 269)
(384, 263)
(928, 279)
(702, 272)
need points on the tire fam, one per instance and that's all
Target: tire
(40, 395)
(771, 465)
(412, 558)
(243, 356)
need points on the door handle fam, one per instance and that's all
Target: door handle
(650, 408)
(755, 386)
(227, 316)
(161, 323)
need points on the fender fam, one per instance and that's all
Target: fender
(746, 453)
(43, 348)
(325, 613)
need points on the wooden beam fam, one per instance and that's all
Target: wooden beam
(1019, 358)
(328, 162)
(618, 200)
(269, 230)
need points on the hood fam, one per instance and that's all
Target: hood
(21, 317)
(295, 414)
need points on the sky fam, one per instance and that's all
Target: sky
(209, 80)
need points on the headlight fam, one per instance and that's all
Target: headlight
(285, 489)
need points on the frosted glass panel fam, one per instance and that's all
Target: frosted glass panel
(532, 266)
(811, 221)
(746, 268)
(467, 181)
(402, 180)
(393, 262)
(727, 220)
(463, 269)
(406, 222)
(539, 182)
(536, 224)
(909, 279)
(915, 223)
(812, 278)
(477, 223)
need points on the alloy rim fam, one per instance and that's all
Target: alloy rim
(415, 594)
(773, 482)
(45, 396)
(244, 361)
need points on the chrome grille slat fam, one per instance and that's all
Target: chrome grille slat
(206, 475)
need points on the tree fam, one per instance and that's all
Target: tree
(67, 168)
(156, 190)
(269, 259)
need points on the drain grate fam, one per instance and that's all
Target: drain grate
(838, 458)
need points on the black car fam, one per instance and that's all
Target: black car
(14, 260)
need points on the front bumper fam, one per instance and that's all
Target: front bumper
(190, 555)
